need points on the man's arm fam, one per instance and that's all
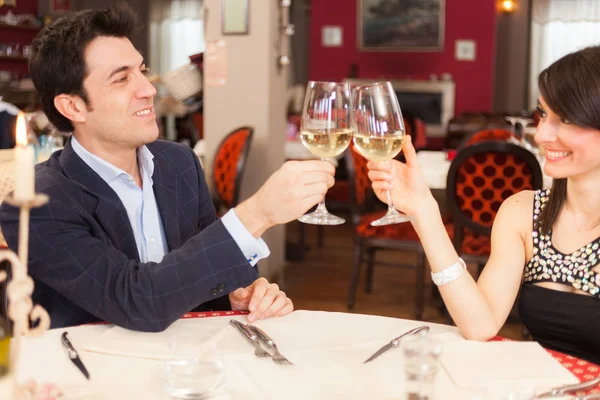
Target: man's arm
(102, 280)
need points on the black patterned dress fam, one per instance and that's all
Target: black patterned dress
(562, 321)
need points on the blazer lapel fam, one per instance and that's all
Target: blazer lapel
(166, 184)
(102, 201)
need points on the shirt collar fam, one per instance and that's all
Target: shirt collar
(106, 170)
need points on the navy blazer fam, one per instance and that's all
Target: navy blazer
(84, 259)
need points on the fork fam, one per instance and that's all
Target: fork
(567, 389)
(278, 358)
(251, 337)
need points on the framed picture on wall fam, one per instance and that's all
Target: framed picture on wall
(234, 17)
(60, 6)
(400, 25)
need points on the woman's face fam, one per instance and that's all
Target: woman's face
(571, 150)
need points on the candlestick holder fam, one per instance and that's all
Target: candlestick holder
(21, 310)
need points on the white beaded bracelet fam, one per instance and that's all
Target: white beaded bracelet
(450, 273)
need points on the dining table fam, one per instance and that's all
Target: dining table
(327, 350)
(293, 150)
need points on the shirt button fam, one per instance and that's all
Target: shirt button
(152, 239)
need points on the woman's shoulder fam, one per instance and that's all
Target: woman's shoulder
(519, 206)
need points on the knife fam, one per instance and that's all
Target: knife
(72, 353)
(569, 388)
(396, 342)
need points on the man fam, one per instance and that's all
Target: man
(130, 234)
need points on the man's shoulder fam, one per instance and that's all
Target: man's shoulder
(49, 173)
(51, 179)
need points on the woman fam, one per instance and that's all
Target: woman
(546, 243)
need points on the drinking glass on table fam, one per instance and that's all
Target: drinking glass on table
(379, 133)
(326, 131)
(421, 363)
(194, 368)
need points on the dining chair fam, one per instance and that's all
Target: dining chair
(228, 167)
(480, 178)
(417, 130)
(338, 196)
(368, 240)
(487, 135)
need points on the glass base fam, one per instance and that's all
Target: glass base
(390, 218)
(320, 218)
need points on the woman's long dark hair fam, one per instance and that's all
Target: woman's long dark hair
(571, 88)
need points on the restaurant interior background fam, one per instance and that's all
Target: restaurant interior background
(246, 83)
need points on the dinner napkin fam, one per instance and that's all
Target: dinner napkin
(482, 364)
(154, 345)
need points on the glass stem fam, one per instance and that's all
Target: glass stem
(321, 208)
(390, 201)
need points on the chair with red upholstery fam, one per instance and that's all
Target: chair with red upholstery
(228, 167)
(416, 129)
(480, 178)
(487, 135)
(369, 239)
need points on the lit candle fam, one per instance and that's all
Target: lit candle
(24, 164)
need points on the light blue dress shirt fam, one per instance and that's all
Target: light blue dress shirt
(142, 209)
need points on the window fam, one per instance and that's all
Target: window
(560, 27)
(176, 32)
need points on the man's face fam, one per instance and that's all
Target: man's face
(121, 99)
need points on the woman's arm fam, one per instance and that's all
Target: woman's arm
(478, 308)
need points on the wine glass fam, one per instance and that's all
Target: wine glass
(519, 132)
(379, 133)
(326, 131)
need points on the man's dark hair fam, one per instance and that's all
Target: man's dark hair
(57, 63)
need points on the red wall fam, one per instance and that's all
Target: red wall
(23, 7)
(18, 68)
(465, 19)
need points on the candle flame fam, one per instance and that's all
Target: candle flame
(508, 5)
(21, 130)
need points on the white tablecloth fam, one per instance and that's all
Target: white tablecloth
(435, 167)
(327, 349)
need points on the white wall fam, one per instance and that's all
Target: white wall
(254, 95)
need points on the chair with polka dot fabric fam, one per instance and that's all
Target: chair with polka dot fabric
(370, 239)
(480, 178)
(228, 167)
(487, 135)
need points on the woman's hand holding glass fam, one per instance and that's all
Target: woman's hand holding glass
(380, 133)
(405, 181)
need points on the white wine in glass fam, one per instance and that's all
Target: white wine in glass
(325, 144)
(326, 131)
(379, 133)
(379, 148)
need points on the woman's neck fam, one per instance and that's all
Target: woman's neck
(583, 201)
